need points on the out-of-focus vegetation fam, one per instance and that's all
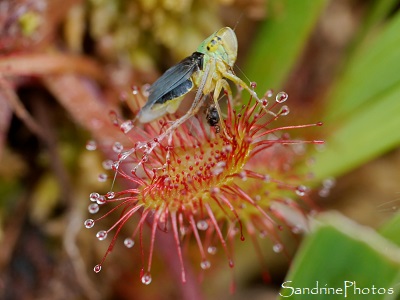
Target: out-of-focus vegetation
(64, 64)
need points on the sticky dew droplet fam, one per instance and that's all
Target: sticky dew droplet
(296, 229)
(329, 182)
(262, 234)
(281, 97)
(267, 178)
(269, 94)
(101, 235)
(135, 90)
(202, 225)
(93, 208)
(114, 118)
(284, 111)
(301, 190)
(97, 268)
(324, 192)
(110, 195)
(243, 175)
(117, 147)
(102, 177)
(126, 126)
(107, 164)
(115, 165)
(212, 250)
(277, 248)
(146, 90)
(89, 223)
(205, 264)
(231, 263)
(129, 243)
(94, 196)
(146, 278)
(91, 145)
(101, 200)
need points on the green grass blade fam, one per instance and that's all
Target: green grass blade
(370, 131)
(391, 230)
(281, 40)
(340, 252)
(378, 12)
(369, 73)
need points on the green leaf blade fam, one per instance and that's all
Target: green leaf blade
(281, 40)
(340, 251)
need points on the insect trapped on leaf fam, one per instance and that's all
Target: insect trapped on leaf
(207, 69)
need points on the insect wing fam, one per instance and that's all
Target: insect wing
(174, 77)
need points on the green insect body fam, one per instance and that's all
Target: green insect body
(206, 69)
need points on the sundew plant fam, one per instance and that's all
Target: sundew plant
(246, 199)
(208, 186)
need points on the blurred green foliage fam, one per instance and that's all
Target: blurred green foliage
(362, 105)
(280, 41)
(340, 253)
(362, 120)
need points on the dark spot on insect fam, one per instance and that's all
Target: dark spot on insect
(212, 117)
(213, 41)
(218, 38)
(208, 48)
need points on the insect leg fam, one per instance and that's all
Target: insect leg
(221, 84)
(241, 83)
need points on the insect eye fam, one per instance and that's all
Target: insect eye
(211, 45)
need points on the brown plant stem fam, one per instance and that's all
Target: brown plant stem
(82, 99)
(19, 109)
(39, 64)
(5, 119)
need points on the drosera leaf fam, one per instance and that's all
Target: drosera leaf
(340, 252)
(280, 40)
